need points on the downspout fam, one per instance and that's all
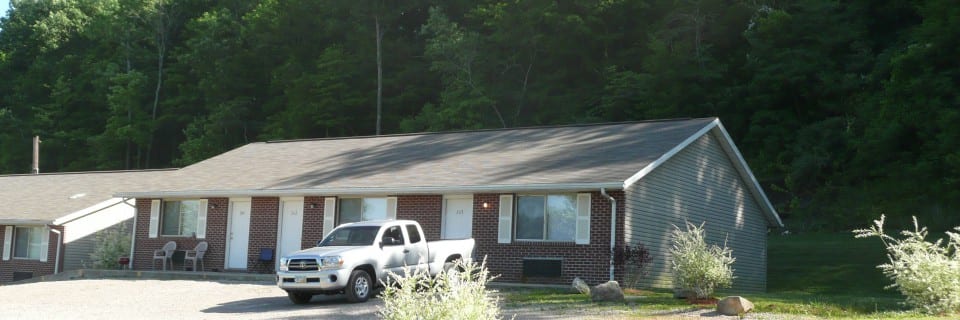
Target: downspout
(613, 227)
(133, 233)
(56, 263)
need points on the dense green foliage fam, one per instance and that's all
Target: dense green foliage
(844, 109)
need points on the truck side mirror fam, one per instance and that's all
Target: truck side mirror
(389, 241)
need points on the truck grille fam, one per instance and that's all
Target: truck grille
(302, 265)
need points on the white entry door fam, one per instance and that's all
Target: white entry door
(239, 236)
(291, 227)
(458, 219)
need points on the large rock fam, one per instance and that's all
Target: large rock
(734, 305)
(581, 285)
(609, 291)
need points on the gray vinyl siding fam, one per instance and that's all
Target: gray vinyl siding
(699, 184)
(77, 253)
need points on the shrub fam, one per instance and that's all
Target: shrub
(637, 258)
(699, 268)
(458, 294)
(927, 274)
(110, 245)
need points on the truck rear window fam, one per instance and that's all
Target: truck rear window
(351, 236)
(413, 233)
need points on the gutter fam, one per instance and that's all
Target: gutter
(613, 227)
(133, 233)
(56, 263)
(40, 222)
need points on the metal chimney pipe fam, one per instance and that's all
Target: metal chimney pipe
(36, 155)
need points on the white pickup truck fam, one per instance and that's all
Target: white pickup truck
(355, 257)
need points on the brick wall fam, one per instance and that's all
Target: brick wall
(215, 238)
(8, 267)
(312, 221)
(264, 215)
(589, 262)
(424, 209)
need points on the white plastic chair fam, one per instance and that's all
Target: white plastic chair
(165, 254)
(194, 255)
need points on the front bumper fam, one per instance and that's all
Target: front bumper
(316, 281)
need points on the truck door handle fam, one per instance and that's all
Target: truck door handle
(406, 250)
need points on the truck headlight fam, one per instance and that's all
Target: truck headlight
(334, 262)
(283, 264)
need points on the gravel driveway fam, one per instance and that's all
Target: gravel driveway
(168, 299)
(188, 299)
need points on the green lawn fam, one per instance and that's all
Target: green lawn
(833, 264)
(809, 275)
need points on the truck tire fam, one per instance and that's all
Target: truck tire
(299, 297)
(359, 287)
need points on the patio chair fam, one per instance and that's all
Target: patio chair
(194, 255)
(165, 254)
(266, 259)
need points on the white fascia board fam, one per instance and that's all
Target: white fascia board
(666, 156)
(747, 175)
(371, 191)
(87, 211)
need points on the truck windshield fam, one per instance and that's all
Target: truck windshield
(351, 236)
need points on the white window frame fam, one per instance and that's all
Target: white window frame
(516, 216)
(163, 213)
(39, 229)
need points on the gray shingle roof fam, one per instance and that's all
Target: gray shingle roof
(602, 155)
(45, 197)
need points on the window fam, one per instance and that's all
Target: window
(179, 218)
(413, 233)
(547, 217)
(395, 233)
(362, 209)
(28, 242)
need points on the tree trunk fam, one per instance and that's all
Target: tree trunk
(126, 158)
(161, 54)
(376, 20)
(156, 97)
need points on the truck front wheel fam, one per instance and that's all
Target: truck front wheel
(299, 297)
(359, 287)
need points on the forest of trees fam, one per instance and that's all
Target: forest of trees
(843, 109)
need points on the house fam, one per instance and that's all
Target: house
(540, 202)
(48, 222)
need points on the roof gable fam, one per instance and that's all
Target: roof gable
(733, 153)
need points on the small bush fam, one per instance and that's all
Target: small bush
(636, 258)
(110, 245)
(699, 268)
(449, 295)
(927, 274)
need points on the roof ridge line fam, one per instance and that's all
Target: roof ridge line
(573, 125)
